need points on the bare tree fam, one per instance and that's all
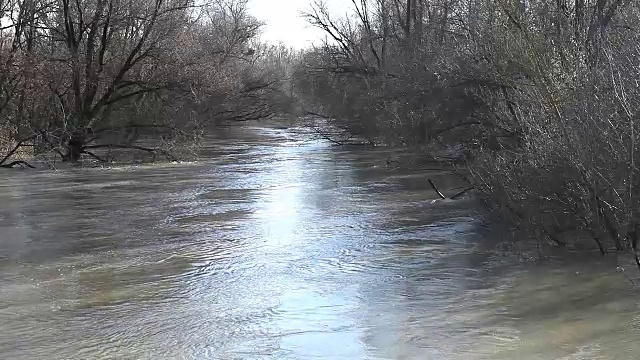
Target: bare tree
(541, 95)
(83, 75)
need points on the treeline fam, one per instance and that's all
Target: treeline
(544, 96)
(80, 76)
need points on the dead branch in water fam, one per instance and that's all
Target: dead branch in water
(461, 193)
(17, 162)
(95, 156)
(318, 115)
(456, 196)
(327, 137)
(436, 189)
(334, 141)
(134, 147)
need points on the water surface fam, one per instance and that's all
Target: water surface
(277, 246)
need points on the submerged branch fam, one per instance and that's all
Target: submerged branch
(318, 115)
(454, 197)
(95, 156)
(436, 189)
(17, 162)
(134, 147)
(461, 193)
(328, 138)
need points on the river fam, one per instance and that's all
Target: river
(276, 246)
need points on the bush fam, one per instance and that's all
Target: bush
(544, 96)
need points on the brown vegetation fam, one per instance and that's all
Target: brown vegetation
(542, 95)
(77, 76)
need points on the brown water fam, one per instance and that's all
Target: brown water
(279, 247)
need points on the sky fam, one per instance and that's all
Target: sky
(284, 24)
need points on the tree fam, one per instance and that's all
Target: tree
(542, 95)
(92, 69)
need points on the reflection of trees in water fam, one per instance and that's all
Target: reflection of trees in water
(330, 183)
(91, 240)
(13, 224)
(435, 289)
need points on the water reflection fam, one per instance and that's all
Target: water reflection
(276, 247)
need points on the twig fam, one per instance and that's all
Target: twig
(627, 276)
(54, 147)
(634, 245)
(436, 189)
(327, 137)
(95, 156)
(462, 193)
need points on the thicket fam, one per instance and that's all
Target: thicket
(79, 78)
(543, 96)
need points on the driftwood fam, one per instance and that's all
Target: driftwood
(441, 195)
(436, 189)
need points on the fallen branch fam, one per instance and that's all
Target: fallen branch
(318, 115)
(462, 193)
(134, 147)
(95, 156)
(17, 162)
(456, 196)
(328, 138)
(436, 189)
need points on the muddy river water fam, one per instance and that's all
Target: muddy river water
(276, 246)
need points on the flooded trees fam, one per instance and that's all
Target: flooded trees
(575, 107)
(78, 76)
(543, 95)
(386, 72)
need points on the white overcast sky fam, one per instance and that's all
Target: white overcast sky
(283, 23)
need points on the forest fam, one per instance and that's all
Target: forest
(542, 97)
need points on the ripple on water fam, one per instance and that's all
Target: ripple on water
(281, 248)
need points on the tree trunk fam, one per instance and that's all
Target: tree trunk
(74, 148)
(418, 20)
(578, 23)
(385, 31)
(444, 24)
(408, 19)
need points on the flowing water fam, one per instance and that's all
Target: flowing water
(278, 247)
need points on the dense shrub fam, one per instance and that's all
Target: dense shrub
(544, 96)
